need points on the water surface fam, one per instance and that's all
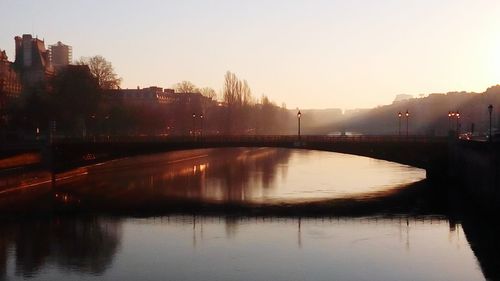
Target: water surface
(69, 234)
(222, 248)
(241, 175)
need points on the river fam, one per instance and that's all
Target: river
(237, 214)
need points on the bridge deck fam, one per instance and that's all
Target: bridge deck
(417, 151)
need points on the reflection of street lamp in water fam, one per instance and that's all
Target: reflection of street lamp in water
(298, 120)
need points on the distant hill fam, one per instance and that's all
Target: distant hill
(428, 115)
(402, 97)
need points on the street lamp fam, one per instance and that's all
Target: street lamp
(194, 124)
(93, 125)
(106, 120)
(449, 121)
(456, 115)
(201, 119)
(399, 115)
(490, 110)
(407, 114)
(298, 120)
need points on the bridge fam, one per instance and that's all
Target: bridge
(422, 152)
(475, 165)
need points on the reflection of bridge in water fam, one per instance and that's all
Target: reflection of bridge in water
(93, 248)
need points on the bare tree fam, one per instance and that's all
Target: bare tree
(231, 90)
(238, 98)
(186, 87)
(103, 71)
(236, 92)
(208, 92)
(246, 94)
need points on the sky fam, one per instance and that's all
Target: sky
(306, 54)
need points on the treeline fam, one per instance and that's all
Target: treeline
(77, 102)
(245, 115)
(198, 112)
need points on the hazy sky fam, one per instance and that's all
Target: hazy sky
(308, 54)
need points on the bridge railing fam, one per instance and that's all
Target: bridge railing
(253, 139)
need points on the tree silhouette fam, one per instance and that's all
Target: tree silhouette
(208, 92)
(75, 96)
(185, 87)
(103, 71)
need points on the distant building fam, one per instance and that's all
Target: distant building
(60, 55)
(154, 96)
(10, 82)
(188, 98)
(402, 97)
(146, 96)
(32, 60)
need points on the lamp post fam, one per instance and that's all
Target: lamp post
(194, 124)
(456, 115)
(106, 120)
(407, 114)
(453, 114)
(449, 121)
(490, 110)
(399, 116)
(201, 121)
(298, 120)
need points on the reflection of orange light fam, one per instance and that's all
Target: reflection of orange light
(18, 160)
(66, 198)
(71, 175)
(196, 168)
(203, 167)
